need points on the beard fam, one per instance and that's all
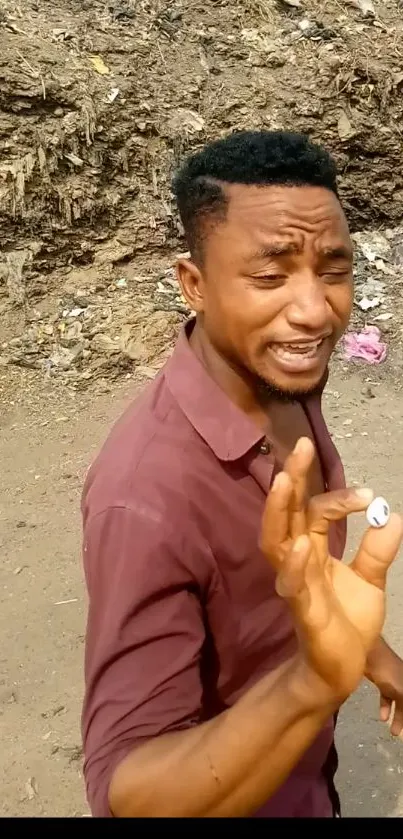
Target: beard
(267, 391)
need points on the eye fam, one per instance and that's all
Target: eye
(334, 276)
(270, 280)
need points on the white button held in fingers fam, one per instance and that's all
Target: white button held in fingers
(378, 513)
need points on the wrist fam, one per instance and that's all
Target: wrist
(380, 660)
(375, 655)
(312, 692)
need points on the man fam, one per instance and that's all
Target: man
(219, 648)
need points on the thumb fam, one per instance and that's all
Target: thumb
(336, 505)
(377, 551)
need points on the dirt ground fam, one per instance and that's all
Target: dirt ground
(98, 103)
(46, 444)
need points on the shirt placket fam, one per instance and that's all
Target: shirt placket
(263, 466)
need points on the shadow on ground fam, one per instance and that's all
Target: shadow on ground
(370, 778)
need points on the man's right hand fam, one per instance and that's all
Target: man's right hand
(230, 765)
(339, 610)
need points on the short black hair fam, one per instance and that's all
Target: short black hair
(247, 157)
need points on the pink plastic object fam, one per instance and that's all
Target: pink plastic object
(365, 345)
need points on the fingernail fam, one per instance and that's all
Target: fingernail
(365, 494)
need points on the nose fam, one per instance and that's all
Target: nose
(309, 308)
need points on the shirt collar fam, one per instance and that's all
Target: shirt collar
(224, 427)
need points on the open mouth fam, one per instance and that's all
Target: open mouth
(298, 357)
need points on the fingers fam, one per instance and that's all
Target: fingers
(385, 708)
(275, 525)
(290, 580)
(391, 711)
(284, 514)
(333, 506)
(377, 551)
(297, 467)
(397, 719)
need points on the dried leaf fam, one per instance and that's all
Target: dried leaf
(99, 65)
(76, 161)
(384, 316)
(344, 127)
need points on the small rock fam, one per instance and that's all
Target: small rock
(73, 753)
(82, 300)
(63, 357)
(71, 335)
(60, 709)
(366, 303)
(305, 25)
(31, 788)
(366, 7)
(183, 120)
(104, 344)
(8, 696)
(147, 372)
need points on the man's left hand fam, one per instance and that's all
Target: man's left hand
(385, 670)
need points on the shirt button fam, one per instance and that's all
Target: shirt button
(265, 447)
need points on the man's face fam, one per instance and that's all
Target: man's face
(275, 288)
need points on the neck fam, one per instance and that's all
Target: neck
(239, 385)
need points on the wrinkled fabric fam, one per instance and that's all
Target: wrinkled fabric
(366, 345)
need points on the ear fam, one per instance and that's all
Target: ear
(191, 282)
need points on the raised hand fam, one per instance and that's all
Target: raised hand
(339, 610)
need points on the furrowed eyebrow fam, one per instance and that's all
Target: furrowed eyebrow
(291, 248)
(277, 249)
(339, 252)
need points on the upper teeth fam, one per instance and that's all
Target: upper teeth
(307, 346)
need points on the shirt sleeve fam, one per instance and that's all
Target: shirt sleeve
(144, 637)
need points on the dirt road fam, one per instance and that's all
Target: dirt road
(44, 450)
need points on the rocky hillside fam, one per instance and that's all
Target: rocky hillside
(100, 100)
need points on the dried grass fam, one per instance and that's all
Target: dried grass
(264, 8)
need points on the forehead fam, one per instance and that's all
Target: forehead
(260, 214)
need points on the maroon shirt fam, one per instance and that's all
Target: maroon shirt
(183, 614)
